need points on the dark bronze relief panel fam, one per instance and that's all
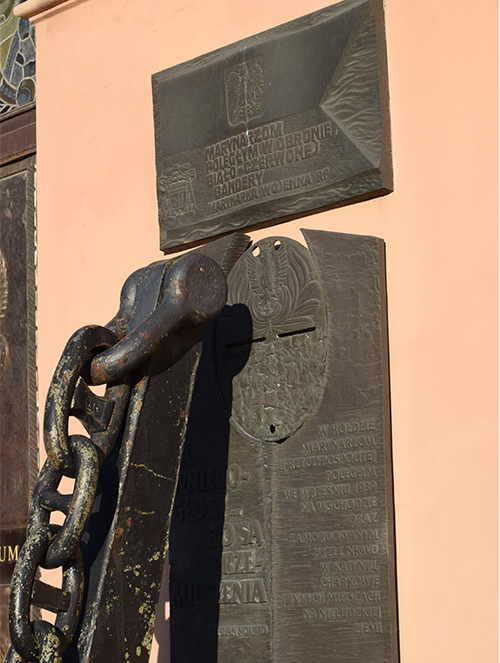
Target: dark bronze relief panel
(18, 430)
(282, 124)
(282, 542)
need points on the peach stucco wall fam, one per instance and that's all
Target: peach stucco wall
(97, 222)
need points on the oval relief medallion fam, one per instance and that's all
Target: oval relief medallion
(270, 341)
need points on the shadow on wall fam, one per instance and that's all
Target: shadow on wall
(195, 542)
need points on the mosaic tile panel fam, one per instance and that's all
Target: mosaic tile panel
(17, 59)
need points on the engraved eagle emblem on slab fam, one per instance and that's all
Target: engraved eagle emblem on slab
(176, 191)
(270, 340)
(245, 90)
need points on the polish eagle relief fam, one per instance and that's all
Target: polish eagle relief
(245, 91)
(4, 295)
(271, 340)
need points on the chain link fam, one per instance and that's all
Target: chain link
(187, 292)
(77, 456)
(83, 344)
(82, 503)
(22, 633)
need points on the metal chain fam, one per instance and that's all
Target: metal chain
(77, 456)
(95, 355)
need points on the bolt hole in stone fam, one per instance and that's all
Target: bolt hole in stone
(256, 250)
(277, 245)
(297, 331)
(272, 428)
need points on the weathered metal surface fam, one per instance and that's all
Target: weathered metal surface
(18, 421)
(59, 404)
(282, 124)
(21, 630)
(124, 566)
(190, 296)
(282, 544)
(53, 546)
(112, 542)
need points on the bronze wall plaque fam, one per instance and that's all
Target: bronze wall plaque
(288, 122)
(18, 410)
(282, 541)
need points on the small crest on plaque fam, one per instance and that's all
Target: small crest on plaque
(176, 189)
(245, 90)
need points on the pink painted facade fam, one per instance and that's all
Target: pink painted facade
(97, 222)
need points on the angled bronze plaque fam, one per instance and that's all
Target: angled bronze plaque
(285, 123)
(282, 540)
